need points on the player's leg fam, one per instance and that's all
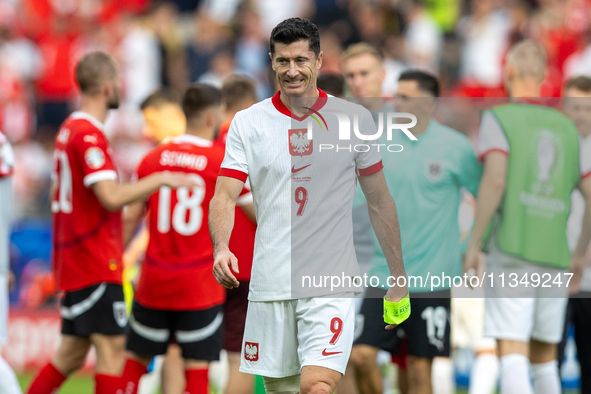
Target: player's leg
(442, 376)
(199, 334)
(419, 375)
(508, 317)
(325, 330)
(373, 337)
(70, 357)
(105, 324)
(75, 308)
(348, 382)
(428, 336)
(110, 358)
(467, 320)
(173, 371)
(581, 313)
(485, 371)
(269, 347)
(235, 310)
(148, 335)
(318, 380)
(548, 328)
(363, 361)
(8, 381)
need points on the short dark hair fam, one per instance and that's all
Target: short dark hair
(581, 83)
(199, 97)
(93, 69)
(332, 84)
(427, 82)
(237, 90)
(159, 97)
(296, 29)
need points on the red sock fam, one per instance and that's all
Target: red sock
(47, 381)
(197, 381)
(106, 384)
(132, 373)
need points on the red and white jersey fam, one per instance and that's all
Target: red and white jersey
(87, 239)
(242, 238)
(303, 196)
(177, 271)
(6, 157)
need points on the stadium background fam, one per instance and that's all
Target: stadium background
(172, 43)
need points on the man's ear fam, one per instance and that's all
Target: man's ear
(319, 60)
(107, 88)
(272, 62)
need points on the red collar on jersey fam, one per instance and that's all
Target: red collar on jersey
(283, 109)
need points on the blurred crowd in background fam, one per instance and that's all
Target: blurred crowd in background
(169, 44)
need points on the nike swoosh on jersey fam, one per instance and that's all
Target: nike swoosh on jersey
(325, 353)
(294, 170)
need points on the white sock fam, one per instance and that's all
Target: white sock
(8, 382)
(442, 376)
(546, 378)
(484, 374)
(515, 377)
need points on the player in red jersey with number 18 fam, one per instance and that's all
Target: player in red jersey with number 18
(177, 297)
(86, 200)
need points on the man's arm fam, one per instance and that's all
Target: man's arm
(578, 255)
(114, 196)
(132, 217)
(221, 222)
(384, 219)
(490, 194)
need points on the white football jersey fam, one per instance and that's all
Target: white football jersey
(302, 191)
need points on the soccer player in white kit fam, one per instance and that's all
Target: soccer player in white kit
(297, 342)
(8, 382)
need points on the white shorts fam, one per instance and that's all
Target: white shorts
(467, 322)
(3, 309)
(527, 313)
(281, 337)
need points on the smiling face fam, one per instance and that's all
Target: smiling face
(296, 68)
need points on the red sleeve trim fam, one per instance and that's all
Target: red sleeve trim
(483, 155)
(585, 175)
(371, 169)
(233, 174)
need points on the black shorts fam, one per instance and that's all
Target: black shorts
(235, 317)
(426, 330)
(97, 309)
(198, 333)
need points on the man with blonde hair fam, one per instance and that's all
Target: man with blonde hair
(528, 198)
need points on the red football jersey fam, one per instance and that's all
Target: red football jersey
(242, 238)
(87, 239)
(177, 271)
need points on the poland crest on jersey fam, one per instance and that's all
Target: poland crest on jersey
(251, 351)
(299, 144)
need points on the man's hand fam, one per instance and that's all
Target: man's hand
(395, 294)
(224, 263)
(175, 180)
